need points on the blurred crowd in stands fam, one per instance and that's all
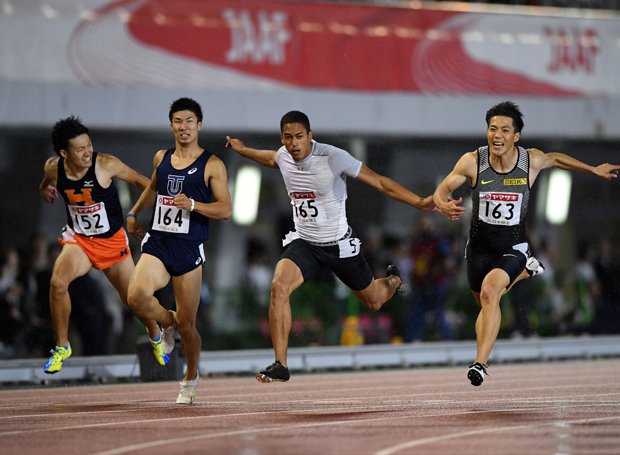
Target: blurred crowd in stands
(580, 295)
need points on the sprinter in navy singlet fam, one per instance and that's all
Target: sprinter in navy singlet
(189, 186)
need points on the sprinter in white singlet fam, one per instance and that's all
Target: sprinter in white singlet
(315, 178)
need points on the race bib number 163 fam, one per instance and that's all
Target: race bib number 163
(502, 209)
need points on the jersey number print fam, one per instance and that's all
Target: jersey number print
(502, 209)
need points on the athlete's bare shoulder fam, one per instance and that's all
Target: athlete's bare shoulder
(467, 164)
(214, 165)
(51, 163)
(537, 158)
(159, 156)
(105, 160)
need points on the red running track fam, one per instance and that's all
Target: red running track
(567, 408)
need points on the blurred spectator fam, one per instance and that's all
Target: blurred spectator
(88, 316)
(548, 302)
(10, 296)
(607, 267)
(585, 290)
(432, 265)
(16, 292)
(257, 280)
(522, 295)
(40, 331)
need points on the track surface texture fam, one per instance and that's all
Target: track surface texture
(566, 408)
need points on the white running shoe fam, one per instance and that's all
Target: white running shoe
(188, 390)
(534, 267)
(168, 337)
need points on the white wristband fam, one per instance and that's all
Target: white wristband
(191, 209)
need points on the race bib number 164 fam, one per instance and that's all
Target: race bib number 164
(169, 217)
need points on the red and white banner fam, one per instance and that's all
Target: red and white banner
(269, 44)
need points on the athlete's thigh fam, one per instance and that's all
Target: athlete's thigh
(513, 261)
(187, 288)
(119, 275)
(303, 256)
(496, 281)
(149, 275)
(478, 266)
(72, 262)
(355, 272)
(288, 274)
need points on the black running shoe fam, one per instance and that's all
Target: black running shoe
(393, 270)
(477, 373)
(276, 372)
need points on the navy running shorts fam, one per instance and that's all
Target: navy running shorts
(178, 256)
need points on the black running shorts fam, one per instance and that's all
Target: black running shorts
(512, 261)
(352, 271)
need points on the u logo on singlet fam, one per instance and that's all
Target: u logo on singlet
(175, 184)
(84, 196)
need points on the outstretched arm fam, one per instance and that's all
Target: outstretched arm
(264, 157)
(112, 166)
(145, 201)
(398, 192)
(464, 168)
(540, 161)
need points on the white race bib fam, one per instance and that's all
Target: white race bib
(170, 218)
(307, 208)
(503, 209)
(90, 219)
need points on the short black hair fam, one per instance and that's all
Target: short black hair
(295, 117)
(507, 109)
(185, 104)
(66, 129)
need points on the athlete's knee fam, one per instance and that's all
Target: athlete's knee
(489, 295)
(373, 306)
(137, 298)
(58, 285)
(280, 290)
(187, 329)
(372, 302)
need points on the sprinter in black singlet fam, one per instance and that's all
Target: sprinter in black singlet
(500, 176)
(94, 236)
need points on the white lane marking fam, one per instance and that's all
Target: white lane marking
(151, 444)
(402, 401)
(420, 442)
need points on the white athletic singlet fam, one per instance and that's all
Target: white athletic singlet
(318, 190)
